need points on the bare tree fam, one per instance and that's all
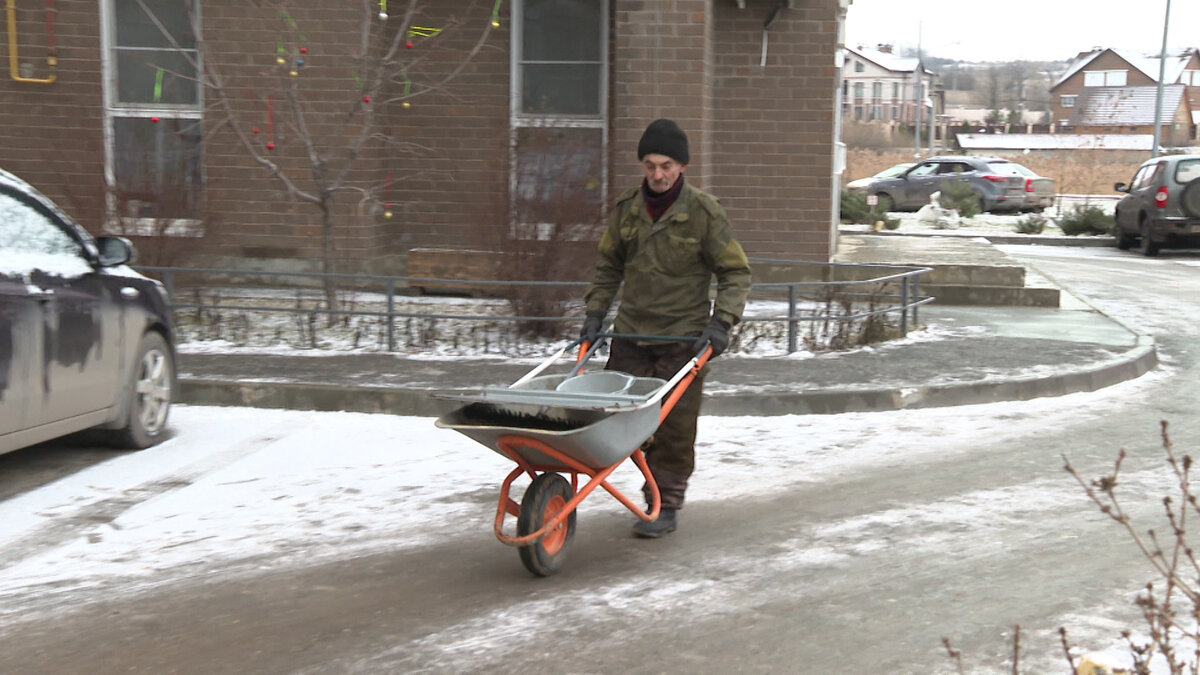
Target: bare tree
(331, 139)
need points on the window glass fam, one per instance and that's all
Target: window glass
(1187, 170)
(559, 175)
(1068, 101)
(156, 76)
(1144, 177)
(157, 166)
(561, 57)
(561, 89)
(154, 112)
(29, 230)
(1003, 169)
(924, 169)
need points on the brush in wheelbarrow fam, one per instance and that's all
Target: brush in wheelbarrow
(579, 423)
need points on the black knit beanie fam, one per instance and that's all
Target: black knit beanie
(664, 137)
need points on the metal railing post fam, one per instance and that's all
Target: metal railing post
(904, 307)
(391, 310)
(792, 338)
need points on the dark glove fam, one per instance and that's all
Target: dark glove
(715, 334)
(591, 325)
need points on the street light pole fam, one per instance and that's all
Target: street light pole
(1162, 75)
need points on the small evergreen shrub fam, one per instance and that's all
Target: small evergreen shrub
(1034, 224)
(854, 209)
(1086, 219)
(960, 196)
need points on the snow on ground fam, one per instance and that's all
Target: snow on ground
(237, 490)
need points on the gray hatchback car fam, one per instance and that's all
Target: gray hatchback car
(1161, 206)
(996, 182)
(85, 341)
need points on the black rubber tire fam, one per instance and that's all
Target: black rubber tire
(545, 497)
(1146, 244)
(885, 203)
(1189, 198)
(1122, 239)
(149, 394)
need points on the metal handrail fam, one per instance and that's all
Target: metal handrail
(909, 298)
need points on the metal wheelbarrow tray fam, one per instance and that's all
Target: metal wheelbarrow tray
(579, 423)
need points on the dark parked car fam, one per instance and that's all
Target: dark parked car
(85, 341)
(1161, 206)
(997, 184)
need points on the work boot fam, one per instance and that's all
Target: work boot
(656, 528)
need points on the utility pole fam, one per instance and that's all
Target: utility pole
(1162, 75)
(917, 101)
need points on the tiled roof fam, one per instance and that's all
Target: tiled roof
(1124, 106)
(1148, 65)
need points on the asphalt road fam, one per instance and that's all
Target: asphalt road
(863, 572)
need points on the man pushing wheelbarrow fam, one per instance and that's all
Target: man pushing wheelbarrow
(666, 240)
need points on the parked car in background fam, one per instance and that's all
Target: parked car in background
(1039, 190)
(85, 341)
(996, 183)
(1161, 206)
(862, 184)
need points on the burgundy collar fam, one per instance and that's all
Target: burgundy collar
(657, 204)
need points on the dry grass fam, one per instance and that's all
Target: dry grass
(1079, 172)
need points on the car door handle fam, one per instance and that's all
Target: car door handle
(129, 292)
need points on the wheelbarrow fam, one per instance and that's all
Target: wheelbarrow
(582, 423)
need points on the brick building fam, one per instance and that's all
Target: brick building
(104, 112)
(1110, 91)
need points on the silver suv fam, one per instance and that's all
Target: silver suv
(1161, 206)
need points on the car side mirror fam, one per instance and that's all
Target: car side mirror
(114, 251)
(1120, 187)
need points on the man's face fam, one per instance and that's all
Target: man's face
(661, 172)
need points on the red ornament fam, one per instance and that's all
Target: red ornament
(408, 45)
(304, 50)
(154, 119)
(270, 146)
(255, 130)
(366, 99)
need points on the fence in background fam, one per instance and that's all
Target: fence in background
(819, 305)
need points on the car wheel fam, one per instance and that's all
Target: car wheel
(1147, 245)
(148, 395)
(1123, 239)
(1189, 198)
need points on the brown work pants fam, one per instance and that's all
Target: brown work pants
(671, 452)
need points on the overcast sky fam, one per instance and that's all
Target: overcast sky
(1022, 29)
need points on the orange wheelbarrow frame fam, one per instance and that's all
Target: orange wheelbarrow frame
(557, 523)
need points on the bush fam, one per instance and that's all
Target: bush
(1086, 220)
(854, 209)
(960, 196)
(1034, 224)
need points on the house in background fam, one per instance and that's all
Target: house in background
(878, 85)
(100, 103)
(1110, 91)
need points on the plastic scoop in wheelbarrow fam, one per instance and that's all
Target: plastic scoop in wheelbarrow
(561, 402)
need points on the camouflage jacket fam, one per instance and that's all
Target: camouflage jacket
(668, 265)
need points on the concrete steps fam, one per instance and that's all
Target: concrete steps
(965, 270)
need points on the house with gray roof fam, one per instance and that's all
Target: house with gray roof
(878, 85)
(1107, 91)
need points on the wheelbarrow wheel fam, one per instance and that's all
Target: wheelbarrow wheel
(545, 498)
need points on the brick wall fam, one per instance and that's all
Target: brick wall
(760, 136)
(51, 134)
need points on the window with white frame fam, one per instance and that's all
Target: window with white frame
(1104, 78)
(153, 109)
(559, 114)
(1067, 100)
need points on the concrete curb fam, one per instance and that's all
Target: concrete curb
(417, 402)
